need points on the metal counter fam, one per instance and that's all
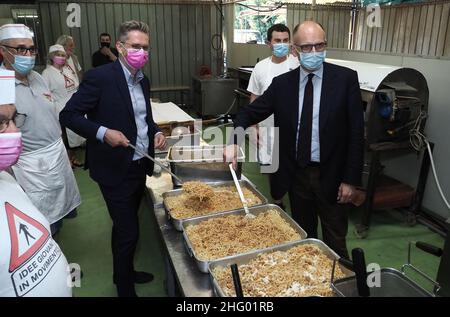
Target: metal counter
(183, 275)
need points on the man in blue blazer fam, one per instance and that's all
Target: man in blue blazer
(115, 98)
(319, 113)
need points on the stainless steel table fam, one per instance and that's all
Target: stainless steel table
(183, 275)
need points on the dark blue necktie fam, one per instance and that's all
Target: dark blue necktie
(304, 139)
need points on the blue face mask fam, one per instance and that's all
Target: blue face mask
(313, 60)
(23, 64)
(280, 49)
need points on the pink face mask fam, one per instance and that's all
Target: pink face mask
(136, 58)
(59, 60)
(10, 149)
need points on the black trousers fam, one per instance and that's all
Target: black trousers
(272, 184)
(308, 204)
(123, 203)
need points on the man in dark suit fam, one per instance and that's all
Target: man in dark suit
(105, 54)
(318, 110)
(115, 97)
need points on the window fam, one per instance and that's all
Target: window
(29, 16)
(254, 17)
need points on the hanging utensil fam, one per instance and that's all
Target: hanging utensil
(359, 265)
(156, 162)
(239, 190)
(236, 280)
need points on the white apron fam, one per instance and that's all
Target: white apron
(63, 84)
(74, 139)
(47, 178)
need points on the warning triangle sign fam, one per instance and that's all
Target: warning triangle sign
(27, 236)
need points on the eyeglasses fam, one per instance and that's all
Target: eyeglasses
(307, 48)
(18, 119)
(23, 50)
(137, 47)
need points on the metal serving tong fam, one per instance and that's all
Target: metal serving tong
(155, 161)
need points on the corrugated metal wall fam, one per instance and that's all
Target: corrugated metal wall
(416, 29)
(411, 29)
(180, 35)
(334, 18)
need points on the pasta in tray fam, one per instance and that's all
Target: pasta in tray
(198, 190)
(229, 235)
(303, 270)
(223, 198)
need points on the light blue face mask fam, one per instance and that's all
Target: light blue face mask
(23, 64)
(312, 60)
(280, 49)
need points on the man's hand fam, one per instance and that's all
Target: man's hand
(256, 140)
(105, 51)
(345, 193)
(230, 154)
(160, 141)
(115, 138)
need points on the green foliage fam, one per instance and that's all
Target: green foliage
(257, 21)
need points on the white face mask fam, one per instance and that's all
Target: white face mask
(312, 60)
(280, 49)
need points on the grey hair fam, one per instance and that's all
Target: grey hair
(132, 25)
(63, 39)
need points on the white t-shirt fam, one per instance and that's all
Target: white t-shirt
(31, 262)
(262, 75)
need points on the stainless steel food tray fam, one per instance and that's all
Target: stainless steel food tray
(201, 163)
(393, 283)
(203, 264)
(245, 258)
(178, 223)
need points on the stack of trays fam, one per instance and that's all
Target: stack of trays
(217, 239)
(201, 163)
(187, 136)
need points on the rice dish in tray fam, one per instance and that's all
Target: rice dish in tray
(303, 270)
(229, 235)
(223, 198)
